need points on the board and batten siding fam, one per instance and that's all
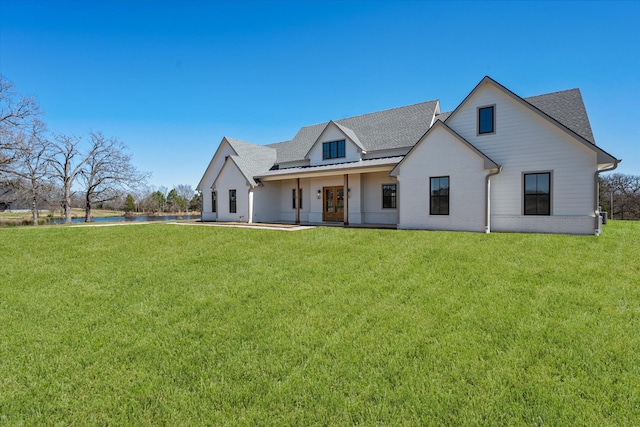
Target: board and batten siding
(209, 177)
(442, 154)
(525, 142)
(332, 133)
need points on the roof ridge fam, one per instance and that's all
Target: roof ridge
(276, 143)
(388, 109)
(553, 93)
(230, 138)
(372, 112)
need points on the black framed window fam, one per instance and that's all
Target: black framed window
(439, 195)
(232, 201)
(293, 198)
(333, 149)
(389, 196)
(486, 120)
(537, 193)
(214, 202)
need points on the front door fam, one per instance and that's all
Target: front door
(333, 202)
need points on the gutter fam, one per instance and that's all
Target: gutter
(596, 186)
(487, 202)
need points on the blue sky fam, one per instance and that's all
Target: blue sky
(171, 78)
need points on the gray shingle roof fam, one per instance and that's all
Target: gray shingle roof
(252, 159)
(395, 128)
(566, 107)
(388, 129)
(443, 116)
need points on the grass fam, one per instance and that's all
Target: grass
(180, 325)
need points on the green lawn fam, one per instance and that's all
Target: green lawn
(180, 325)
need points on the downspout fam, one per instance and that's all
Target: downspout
(297, 197)
(596, 186)
(345, 195)
(487, 200)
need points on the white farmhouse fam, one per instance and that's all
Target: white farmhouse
(498, 162)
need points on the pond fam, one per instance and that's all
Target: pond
(136, 218)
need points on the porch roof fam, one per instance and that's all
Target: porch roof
(361, 166)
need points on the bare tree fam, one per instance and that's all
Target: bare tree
(106, 170)
(620, 195)
(151, 200)
(31, 164)
(15, 114)
(186, 193)
(66, 161)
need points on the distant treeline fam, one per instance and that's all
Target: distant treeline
(620, 195)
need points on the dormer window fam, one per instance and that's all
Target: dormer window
(486, 120)
(333, 150)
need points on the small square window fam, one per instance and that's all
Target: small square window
(486, 120)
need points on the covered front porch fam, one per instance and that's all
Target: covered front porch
(350, 194)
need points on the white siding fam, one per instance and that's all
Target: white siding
(210, 176)
(230, 178)
(386, 153)
(285, 203)
(299, 163)
(355, 197)
(264, 207)
(442, 154)
(366, 190)
(565, 224)
(207, 214)
(332, 133)
(373, 212)
(525, 142)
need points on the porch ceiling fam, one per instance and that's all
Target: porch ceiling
(363, 166)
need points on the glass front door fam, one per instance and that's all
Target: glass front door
(333, 202)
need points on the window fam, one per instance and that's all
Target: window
(214, 202)
(232, 201)
(389, 196)
(333, 149)
(537, 193)
(486, 120)
(439, 200)
(293, 198)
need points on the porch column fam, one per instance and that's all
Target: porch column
(250, 219)
(346, 199)
(298, 200)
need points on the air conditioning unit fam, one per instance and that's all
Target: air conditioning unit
(604, 216)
